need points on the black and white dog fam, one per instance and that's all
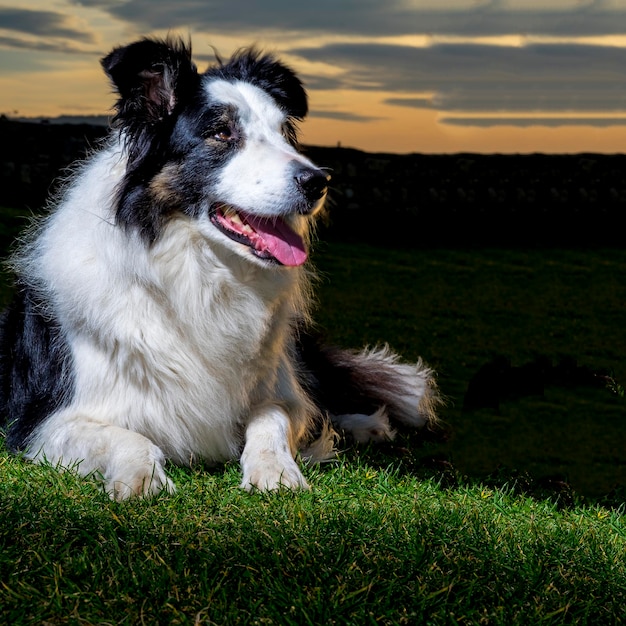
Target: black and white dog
(159, 307)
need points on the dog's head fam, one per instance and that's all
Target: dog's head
(219, 146)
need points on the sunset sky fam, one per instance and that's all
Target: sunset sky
(433, 76)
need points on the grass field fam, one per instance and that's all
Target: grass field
(364, 546)
(509, 521)
(459, 309)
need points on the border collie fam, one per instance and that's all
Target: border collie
(160, 305)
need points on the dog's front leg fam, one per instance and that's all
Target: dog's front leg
(267, 460)
(129, 463)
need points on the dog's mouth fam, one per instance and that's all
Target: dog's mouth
(269, 238)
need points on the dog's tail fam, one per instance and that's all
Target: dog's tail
(366, 392)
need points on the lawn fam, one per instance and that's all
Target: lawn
(516, 517)
(460, 309)
(367, 545)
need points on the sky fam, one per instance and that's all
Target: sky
(429, 76)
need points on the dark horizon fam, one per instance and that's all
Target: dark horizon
(462, 199)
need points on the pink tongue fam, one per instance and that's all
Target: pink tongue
(278, 239)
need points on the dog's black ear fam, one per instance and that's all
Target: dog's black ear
(152, 77)
(275, 78)
(155, 79)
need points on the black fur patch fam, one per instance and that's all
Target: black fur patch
(154, 79)
(36, 376)
(337, 383)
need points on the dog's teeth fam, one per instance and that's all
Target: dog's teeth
(234, 218)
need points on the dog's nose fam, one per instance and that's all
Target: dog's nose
(313, 183)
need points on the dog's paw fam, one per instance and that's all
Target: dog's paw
(269, 474)
(365, 428)
(140, 477)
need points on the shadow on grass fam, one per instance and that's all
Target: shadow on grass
(427, 455)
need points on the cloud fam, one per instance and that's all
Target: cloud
(94, 3)
(343, 116)
(39, 45)
(406, 68)
(43, 24)
(370, 17)
(412, 103)
(513, 97)
(466, 77)
(524, 122)
(457, 78)
(245, 16)
(320, 83)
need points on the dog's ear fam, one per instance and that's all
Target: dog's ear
(154, 78)
(275, 78)
(266, 72)
(151, 76)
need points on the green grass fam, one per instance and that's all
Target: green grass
(460, 308)
(463, 531)
(367, 545)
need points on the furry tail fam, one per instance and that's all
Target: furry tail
(365, 392)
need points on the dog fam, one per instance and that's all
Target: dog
(162, 305)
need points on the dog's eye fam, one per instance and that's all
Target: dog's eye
(225, 134)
